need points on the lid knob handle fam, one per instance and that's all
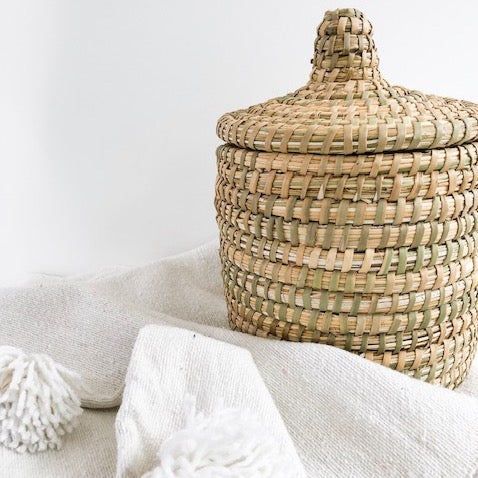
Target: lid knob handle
(344, 48)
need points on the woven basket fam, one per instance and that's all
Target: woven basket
(348, 213)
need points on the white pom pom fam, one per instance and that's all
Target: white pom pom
(39, 401)
(229, 443)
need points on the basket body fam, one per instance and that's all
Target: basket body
(349, 225)
(401, 292)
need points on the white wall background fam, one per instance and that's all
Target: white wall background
(108, 110)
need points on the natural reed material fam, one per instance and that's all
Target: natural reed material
(348, 213)
(348, 107)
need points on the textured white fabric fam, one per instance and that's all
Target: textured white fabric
(346, 415)
(170, 364)
(89, 452)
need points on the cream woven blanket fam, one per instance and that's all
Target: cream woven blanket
(344, 415)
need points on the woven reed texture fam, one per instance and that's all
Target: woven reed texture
(348, 213)
(348, 107)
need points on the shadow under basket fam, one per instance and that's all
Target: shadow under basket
(348, 213)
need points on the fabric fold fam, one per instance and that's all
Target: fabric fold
(169, 365)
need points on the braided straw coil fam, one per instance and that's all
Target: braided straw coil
(348, 213)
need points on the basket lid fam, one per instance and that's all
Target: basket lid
(348, 107)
